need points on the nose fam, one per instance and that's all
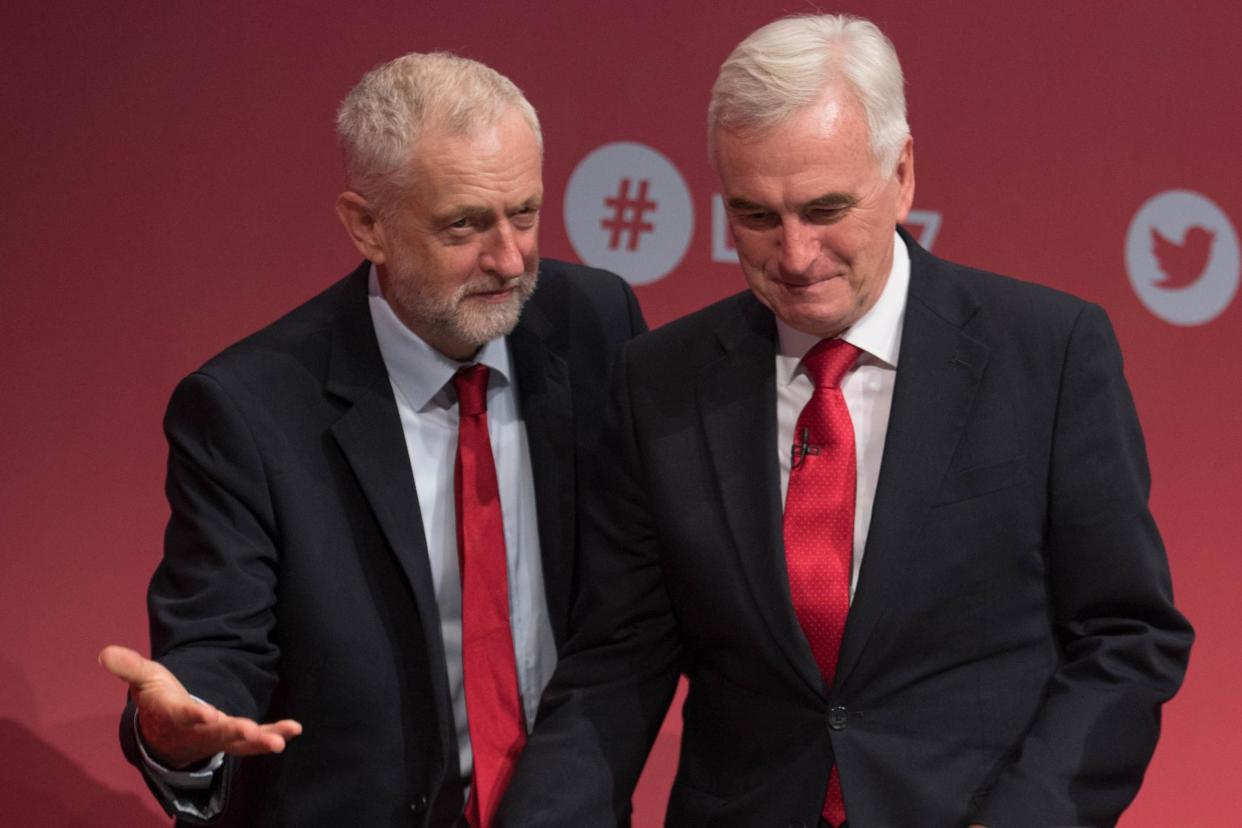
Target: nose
(503, 253)
(798, 247)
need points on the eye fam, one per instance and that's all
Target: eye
(830, 209)
(525, 217)
(826, 215)
(461, 228)
(754, 219)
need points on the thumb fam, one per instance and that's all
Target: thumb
(128, 665)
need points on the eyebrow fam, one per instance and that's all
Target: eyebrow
(743, 204)
(462, 211)
(534, 202)
(831, 201)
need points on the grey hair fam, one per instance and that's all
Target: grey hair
(381, 118)
(786, 65)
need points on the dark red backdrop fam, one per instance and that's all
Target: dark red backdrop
(169, 173)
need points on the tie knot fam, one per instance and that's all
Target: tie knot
(828, 361)
(471, 385)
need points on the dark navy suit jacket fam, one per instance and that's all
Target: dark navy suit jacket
(295, 580)
(1013, 633)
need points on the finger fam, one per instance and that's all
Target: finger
(259, 743)
(126, 664)
(238, 729)
(266, 738)
(287, 728)
(228, 730)
(254, 748)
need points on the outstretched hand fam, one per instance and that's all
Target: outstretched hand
(179, 731)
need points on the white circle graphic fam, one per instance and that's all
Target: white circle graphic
(627, 209)
(1182, 257)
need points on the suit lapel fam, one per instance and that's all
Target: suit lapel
(546, 404)
(370, 436)
(737, 403)
(938, 372)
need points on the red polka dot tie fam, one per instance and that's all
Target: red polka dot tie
(819, 520)
(489, 666)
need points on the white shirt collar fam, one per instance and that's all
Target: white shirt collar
(418, 371)
(877, 333)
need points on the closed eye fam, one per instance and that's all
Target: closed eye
(754, 219)
(823, 215)
(829, 208)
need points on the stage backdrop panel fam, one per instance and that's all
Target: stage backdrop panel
(170, 170)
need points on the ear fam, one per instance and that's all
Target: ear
(362, 223)
(904, 174)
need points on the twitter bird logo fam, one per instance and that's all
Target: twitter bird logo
(1182, 264)
(1183, 257)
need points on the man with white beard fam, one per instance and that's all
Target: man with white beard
(373, 500)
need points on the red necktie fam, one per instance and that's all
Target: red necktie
(819, 520)
(493, 698)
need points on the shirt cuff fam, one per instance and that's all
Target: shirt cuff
(180, 787)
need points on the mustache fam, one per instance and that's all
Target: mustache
(490, 284)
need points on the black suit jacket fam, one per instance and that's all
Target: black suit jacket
(296, 582)
(1012, 634)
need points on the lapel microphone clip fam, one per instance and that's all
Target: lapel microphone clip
(802, 448)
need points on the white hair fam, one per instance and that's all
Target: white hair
(786, 65)
(381, 118)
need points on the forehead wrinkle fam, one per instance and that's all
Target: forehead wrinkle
(491, 156)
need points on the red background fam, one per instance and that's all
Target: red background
(169, 172)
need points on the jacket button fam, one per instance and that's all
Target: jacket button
(837, 717)
(419, 804)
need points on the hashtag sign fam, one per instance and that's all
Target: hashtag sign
(628, 215)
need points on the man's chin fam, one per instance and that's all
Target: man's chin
(812, 320)
(481, 325)
(487, 315)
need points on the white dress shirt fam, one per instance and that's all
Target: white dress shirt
(420, 378)
(867, 388)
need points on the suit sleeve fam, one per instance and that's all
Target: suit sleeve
(211, 601)
(616, 677)
(1123, 645)
(634, 312)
